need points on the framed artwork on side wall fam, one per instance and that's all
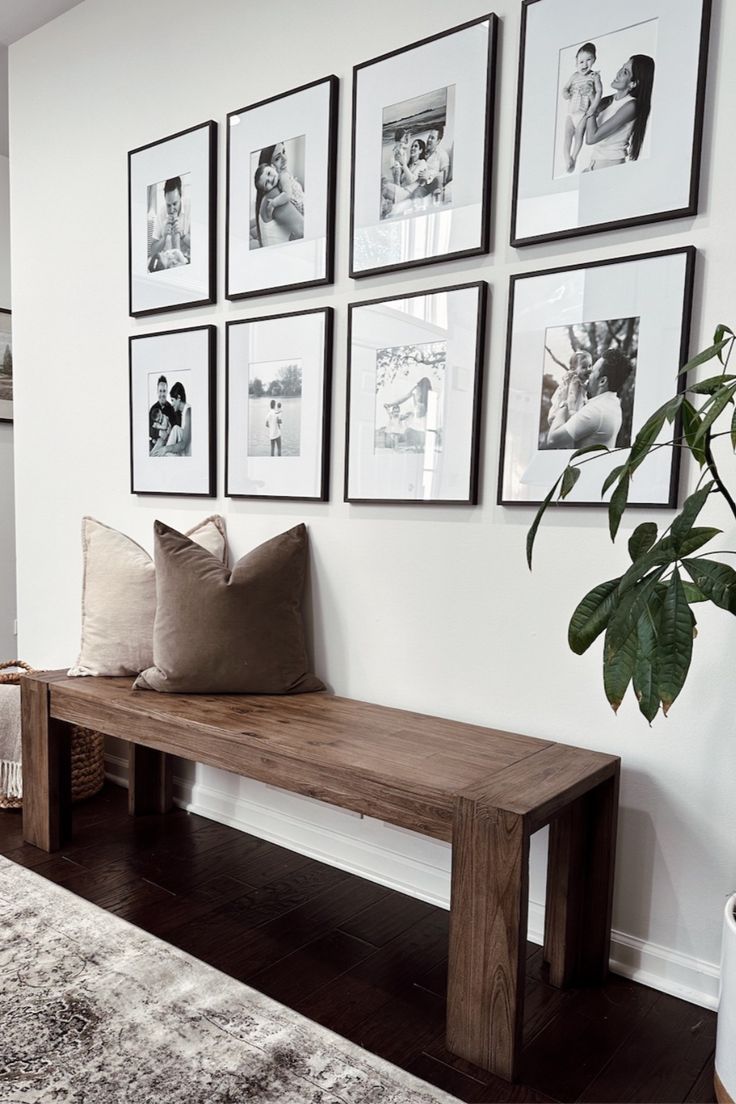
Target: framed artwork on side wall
(610, 111)
(421, 151)
(281, 172)
(278, 405)
(592, 351)
(6, 367)
(172, 204)
(172, 412)
(415, 367)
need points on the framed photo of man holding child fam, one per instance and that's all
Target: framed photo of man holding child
(172, 412)
(281, 173)
(421, 151)
(172, 197)
(609, 115)
(6, 366)
(415, 367)
(592, 351)
(278, 387)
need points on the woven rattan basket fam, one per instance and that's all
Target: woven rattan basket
(88, 751)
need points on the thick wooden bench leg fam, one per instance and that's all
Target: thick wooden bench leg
(582, 848)
(488, 921)
(47, 784)
(150, 780)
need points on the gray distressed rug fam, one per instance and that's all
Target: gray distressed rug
(95, 1011)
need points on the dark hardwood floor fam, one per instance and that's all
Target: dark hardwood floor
(364, 961)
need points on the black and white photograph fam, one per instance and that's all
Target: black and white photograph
(416, 154)
(415, 367)
(169, 223)
(610, 113)
(281, 173)
(6, 367)
(593, 350)
(172, 412)
(277, 193)
(172, 222)
(421, 151)
(278, 387)
(275, 408)
(588, 384)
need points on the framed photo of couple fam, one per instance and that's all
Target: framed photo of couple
(592, 351)
(172, 412)
(421, 151)
(281, 173)
(609, 115)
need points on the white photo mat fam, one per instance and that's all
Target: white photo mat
(186, 285)
(656, 290)
(254, 345)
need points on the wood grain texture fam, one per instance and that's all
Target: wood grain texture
(47, 779)
(150, 781)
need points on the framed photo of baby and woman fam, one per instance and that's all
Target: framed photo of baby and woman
(609, 115)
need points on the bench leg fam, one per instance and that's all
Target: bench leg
(150, 780)
(577, 928)
(488, 920)
(47, 780)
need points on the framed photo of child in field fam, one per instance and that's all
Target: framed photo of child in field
(281, 172)
(278, 406)
(592, 351)
(6, 366)
(609, 115)
(421, 151)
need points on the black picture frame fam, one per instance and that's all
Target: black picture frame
(323, 395)
(333, 87)
(208, 456)
(473, 415)
(684, 210)
(689, 254)
(139, 282)
(483, 243)
(4, 411)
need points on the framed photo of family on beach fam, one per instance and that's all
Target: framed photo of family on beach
(172, 412)
(172, 198)
(593, 350)
(421, 151)
(415, 368)
(610, 115)
(279, 381)
(281, 173)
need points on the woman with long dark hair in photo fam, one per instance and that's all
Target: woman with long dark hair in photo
(616, 130)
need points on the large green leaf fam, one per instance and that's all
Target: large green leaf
(733, 430)
(618, 669)
(711, 385)
(589, 448)
(673, 407)
(535, 524)
(704, 356)
(675, 643)
(646, 437)
(617, 505)
(720, 333)
(716, 404)
(691, 507)
(629, 609)
(612, 477)
(642, 539)
(591, 616)
(690, 427)
(717, 581)
(693, 593)
(570, 477)
(645, 678)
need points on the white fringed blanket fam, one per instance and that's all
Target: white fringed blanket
(11, 782)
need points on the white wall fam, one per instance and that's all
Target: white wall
(7, 497)
(429, 609)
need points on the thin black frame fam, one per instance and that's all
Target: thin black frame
(637, 220)
(329, 314)
(211, 297)
(690, 253)
(212, 401)
(4, 310)
(329, 276)
(480, 347)
(485, 229)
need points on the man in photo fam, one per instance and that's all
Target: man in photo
(160, 416)
(171, 243)
(599, 421)
(434, 175)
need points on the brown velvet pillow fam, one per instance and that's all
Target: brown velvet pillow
(229, 632)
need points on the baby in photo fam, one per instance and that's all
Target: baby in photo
(574, 387)
(402, 139)
(289, 187)
(584, 90)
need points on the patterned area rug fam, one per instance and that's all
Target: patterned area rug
(95, 1011)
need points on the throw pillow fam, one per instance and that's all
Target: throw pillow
(229, 632)
(119, 597)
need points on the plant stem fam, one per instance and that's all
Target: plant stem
(713, 468)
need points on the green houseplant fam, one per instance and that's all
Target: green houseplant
(646, 613)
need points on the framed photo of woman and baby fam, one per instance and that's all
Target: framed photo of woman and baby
(609, 115)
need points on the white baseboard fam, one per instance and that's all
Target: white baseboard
(421, 869)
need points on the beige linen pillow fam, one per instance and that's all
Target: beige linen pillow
(119, 597)
(229, 632)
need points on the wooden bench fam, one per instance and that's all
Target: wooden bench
(484, 791)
